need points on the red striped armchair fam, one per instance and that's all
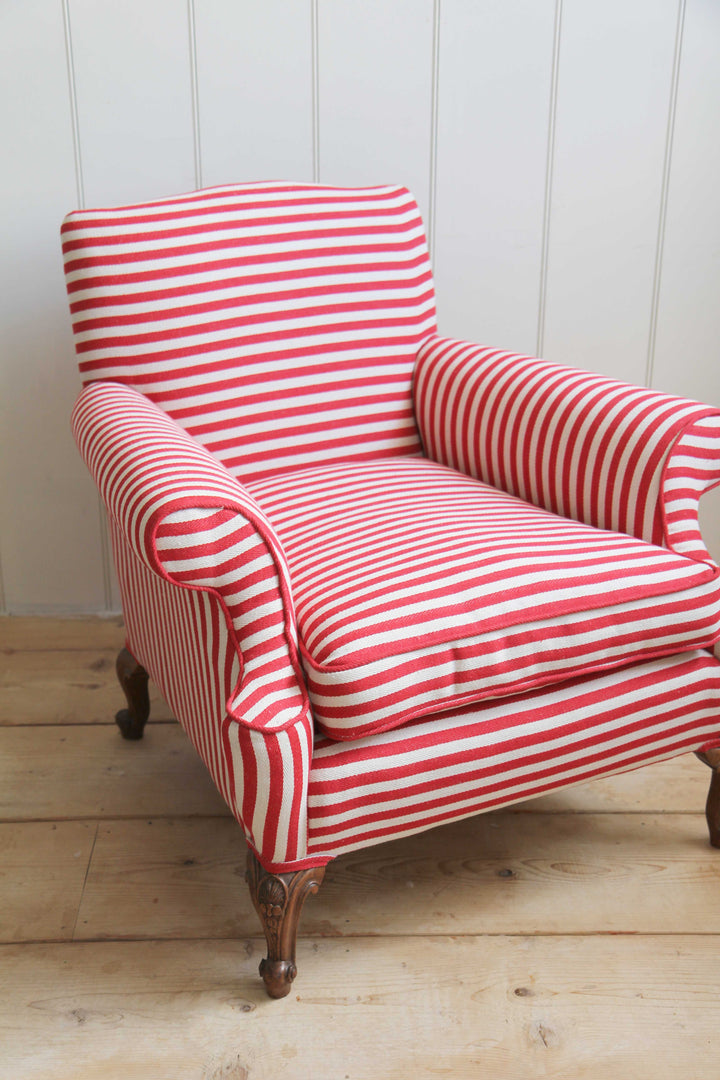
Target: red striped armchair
(384, 579)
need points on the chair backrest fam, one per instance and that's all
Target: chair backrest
(278, 323)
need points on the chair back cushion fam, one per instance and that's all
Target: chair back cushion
(277, 323)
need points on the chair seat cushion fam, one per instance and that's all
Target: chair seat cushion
(418, 588)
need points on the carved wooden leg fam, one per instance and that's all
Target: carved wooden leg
(712, 806)
(134, 681)
(278, 900)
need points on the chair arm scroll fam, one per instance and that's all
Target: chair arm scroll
(189, 521)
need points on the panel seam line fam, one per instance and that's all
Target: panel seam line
(435, 95)
(197, 156)
(80, 195)
(75, 123)
(664, 194)
(549, 167)
(315, 75)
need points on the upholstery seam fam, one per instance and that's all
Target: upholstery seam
(151, 528)
(473, 697)
(683, 431)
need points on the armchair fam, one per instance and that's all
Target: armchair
(384, 579)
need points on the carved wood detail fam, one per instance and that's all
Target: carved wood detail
(712, 806)
(133, 679)
(278, 900)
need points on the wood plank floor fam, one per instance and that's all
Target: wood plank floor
(571, 937)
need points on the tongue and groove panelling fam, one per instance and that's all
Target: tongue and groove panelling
(564, 154)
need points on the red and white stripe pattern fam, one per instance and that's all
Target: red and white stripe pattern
(579, 444)
(692, 468)
(300, 806)
(418, 588)
(461, 763)
(277, 323)
(187, 519)
(180, 636)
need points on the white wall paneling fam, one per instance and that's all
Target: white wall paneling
(686, 357)
(564, 153)
(494, 92)
(134, 89)
(50, 543)
(687, 342)
(255, 76)
(375, 93)
(614, 84)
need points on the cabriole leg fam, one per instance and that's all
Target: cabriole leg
(278, 900)
(712, 806)
(134, 681)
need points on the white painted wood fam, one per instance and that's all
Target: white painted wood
(710, 522)
(254, 67)
(374, 70)
(375, 93)
(50, 521)
(688, 331)
(688, 327)
(614, 87)
(133, 77)
(494, 96)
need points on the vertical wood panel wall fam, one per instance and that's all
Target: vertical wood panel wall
(564, 152)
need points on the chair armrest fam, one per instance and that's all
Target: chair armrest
(189, 521)
(578, 444)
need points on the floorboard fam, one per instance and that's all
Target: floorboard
(46, 633)
(77, 686)
(91, 772)
(572, 937)
(43, 867)
(571, 1008)
(493, 874)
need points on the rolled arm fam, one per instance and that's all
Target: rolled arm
(189, 521)
(578, 444)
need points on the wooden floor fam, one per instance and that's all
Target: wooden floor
(572, 937)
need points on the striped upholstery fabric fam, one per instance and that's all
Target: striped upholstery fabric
(498, 753)
(281, 541)
(301, 806)
(186, 518)
(417, 588)
(180, 635)
(277, 323)
(692, 468)
(578, 444)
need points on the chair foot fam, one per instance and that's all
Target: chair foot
(712, 806)
(133, 679)
(278, 900)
